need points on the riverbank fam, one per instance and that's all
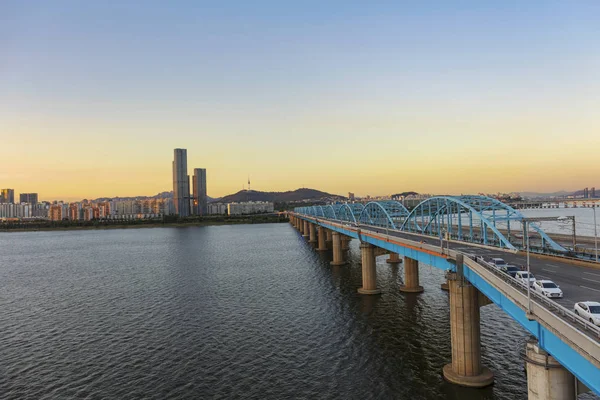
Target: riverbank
(135, 224)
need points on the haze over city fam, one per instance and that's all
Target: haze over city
(343, 96)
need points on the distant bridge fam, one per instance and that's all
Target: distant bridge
(472, 219)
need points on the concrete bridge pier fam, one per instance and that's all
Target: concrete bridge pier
(411, 276)
(445, 286)
(305, 229)
(321, 239)
(338, 253)
(394, 258)
(346, 242)
(466, 368)
(369, 270)
(328, 238)
(312, 233)
(546, 378)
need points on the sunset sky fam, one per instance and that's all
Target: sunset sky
(369, 97)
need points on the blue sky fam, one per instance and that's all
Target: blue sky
(235, 82)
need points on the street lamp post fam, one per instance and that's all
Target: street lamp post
(442, 241)
(595, 232)
(528, 271)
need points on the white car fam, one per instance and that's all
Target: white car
(547, 288)
(497, 262)
(589, 310)
(525, 278)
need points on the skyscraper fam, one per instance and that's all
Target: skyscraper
(31, 198)
(181, 183)
(7, 196)
(199, 185)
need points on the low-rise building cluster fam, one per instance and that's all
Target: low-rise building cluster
(250, 207)
(110, 210)
(127, 209)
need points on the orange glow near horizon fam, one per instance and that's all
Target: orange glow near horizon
(469, 162)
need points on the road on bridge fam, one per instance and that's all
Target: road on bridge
(577, 283)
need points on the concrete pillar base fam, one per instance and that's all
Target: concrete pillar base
(418, 289)
(547, 379)
(320, 249)
(312, 241)
(393, 262)
(445, 286)
(394, 258)
(305, 236)
(369, 291)
(336, 263)
(485, 378)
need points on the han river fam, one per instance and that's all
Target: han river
(241, 311)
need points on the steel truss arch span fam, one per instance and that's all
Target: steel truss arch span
(329, 212)
(350, 211)
(387, 214)
(490, 206)
(318, 211)
(436, 215)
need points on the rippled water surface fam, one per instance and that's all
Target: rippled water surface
(246, 311)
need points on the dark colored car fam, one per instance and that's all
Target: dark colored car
(510, 270)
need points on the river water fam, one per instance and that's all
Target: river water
(584, 220)
(244, 311)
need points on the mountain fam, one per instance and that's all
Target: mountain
(561, 193)
(279, 197)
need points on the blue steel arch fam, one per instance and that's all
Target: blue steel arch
(349, 212)
(386, 214)
(395, 210)
(318, 211)
(437, 213)
(336, 209)
(491, 205)
(329, 212)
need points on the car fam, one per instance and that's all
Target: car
(589, 310)
(510, 269)
(525, 278)
(547, 288)
(497, 262)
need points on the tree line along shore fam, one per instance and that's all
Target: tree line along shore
(167, 221)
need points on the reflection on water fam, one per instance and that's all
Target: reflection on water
(220, 312)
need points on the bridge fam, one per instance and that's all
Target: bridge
(454, 234)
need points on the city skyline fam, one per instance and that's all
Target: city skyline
(362, 98)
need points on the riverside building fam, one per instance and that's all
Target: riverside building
(181, 183)
(7, 196)
(199, 188)
(250, 207)
(31, 198)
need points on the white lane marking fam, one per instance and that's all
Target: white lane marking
(544, 277)
(551, 266)
(591, 273)
(591, 280)
(548, 270)
(585, 287)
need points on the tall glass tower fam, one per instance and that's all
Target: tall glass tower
(199, 185)
(181, 183)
